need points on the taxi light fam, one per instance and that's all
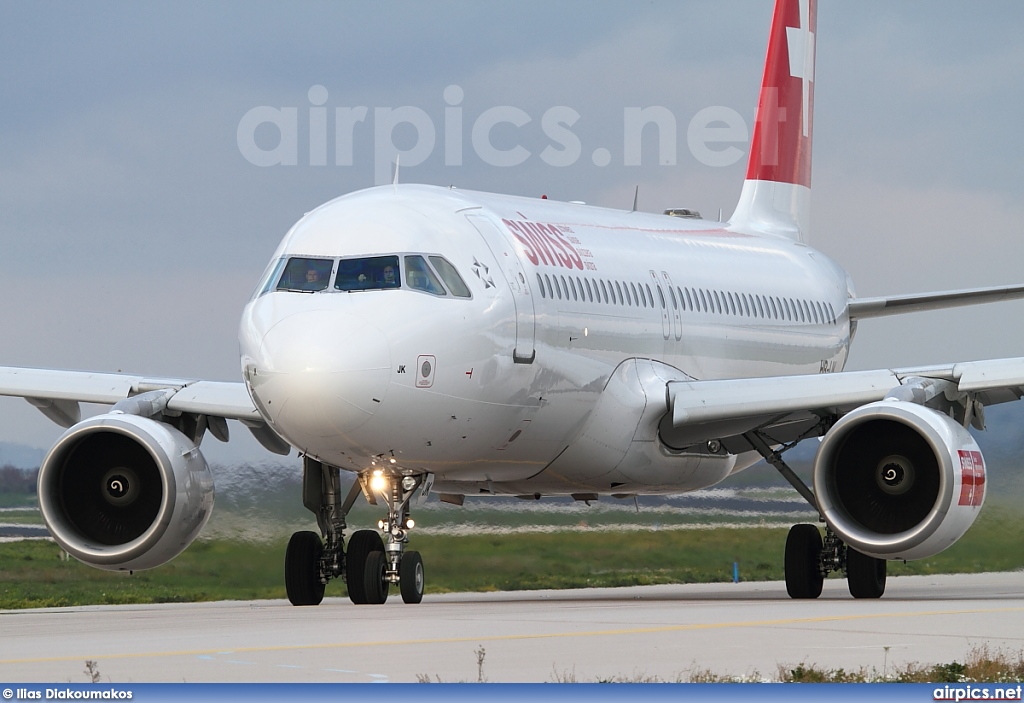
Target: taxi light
(410, 523)
(408, 483)
(378, 481)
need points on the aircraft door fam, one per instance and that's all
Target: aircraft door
(512, 271)
(663, 302)
(676, 304)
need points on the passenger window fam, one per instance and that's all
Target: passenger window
(547, 280)
(540, 284)
(590, 292)
(419, 276)
(661, 297)
(572, 286)
(450, 275)
(672, 294)
(306, 275)
(636, 298)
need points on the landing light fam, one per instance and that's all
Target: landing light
(378, 481)
(408, 483)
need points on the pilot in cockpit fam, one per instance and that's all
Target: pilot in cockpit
(389, 280)
(312, 280)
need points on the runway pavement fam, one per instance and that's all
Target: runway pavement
(535, 636)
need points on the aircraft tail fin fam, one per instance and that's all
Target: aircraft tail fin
(776, 196)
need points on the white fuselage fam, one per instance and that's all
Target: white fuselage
(490, 392)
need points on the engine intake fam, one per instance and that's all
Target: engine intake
(122, 492)
(896, 480)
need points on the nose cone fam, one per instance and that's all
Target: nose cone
(320, 373)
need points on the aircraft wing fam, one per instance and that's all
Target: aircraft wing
(861, 308)
(789, 408)
(57, 394)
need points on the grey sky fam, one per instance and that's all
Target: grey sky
(133, 229)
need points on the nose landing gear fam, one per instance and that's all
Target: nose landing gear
(397, 565)
(371, 564)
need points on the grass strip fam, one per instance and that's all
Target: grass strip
(34, 574)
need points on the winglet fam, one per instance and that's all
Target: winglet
(776, 193)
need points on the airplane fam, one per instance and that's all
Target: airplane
(426, 339)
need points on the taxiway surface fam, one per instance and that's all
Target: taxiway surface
(666, 632)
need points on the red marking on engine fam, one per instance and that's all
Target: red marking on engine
(972, 472)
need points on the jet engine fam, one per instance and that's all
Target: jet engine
(897, 480)
(122, 492)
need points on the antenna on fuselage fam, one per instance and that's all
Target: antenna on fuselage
(398, 158)
(636, 194)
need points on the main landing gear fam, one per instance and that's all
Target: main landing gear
(809, 558)
(371, 564)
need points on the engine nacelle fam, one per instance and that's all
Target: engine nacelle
(896, 480)
(122, 492)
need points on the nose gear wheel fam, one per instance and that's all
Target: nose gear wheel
(370, 565)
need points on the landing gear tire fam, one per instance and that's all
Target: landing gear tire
(302, 569)
(864, 575)
(375, 578)
(360, 546)
(803, 557)
(410, 577)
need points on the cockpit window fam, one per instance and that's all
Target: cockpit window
(307, 275)
(450, 276)
(271, 276)
(372, 273)
(419, 276)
